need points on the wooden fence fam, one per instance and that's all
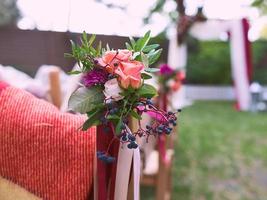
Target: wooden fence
(29, 49)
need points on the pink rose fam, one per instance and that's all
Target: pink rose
(111, 60)
(130, 74)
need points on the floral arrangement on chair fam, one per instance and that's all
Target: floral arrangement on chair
(113, 88)
(170, 79)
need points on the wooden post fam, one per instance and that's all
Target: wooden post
(55, 88)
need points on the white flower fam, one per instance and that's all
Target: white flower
(113, 90)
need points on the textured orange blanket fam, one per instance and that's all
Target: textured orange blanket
(42, 149)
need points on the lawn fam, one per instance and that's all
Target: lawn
(220, 154)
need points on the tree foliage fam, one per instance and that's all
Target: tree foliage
(9, 12)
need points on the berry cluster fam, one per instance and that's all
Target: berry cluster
(129, 138)
(103, 156)
(162, 123)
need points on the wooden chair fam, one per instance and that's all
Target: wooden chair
(55, 87)
(56, 99)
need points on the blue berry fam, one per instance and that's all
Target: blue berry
(110, 76)
(110, 159)
(101, 156)
(130, 146)
(149, 102)
(168, 130)
(134, 145)
(98, 153)
(131, 137)
(124, 138)
(171, 121)
(148, 127)
(160, 127)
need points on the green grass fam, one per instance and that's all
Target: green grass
(220, 154)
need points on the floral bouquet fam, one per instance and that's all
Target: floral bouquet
(113, 88)
(170, 79)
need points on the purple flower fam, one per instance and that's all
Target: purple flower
(166, 70)
(94, 77)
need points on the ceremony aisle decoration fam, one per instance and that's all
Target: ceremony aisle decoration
(113, 90)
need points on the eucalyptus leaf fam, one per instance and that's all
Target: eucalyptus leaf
(148, 48)
(155, 56)
(83, 100)
(92, 120)
(152, 70)
(142, 42)
(144, 59)
(147, 91)
(146, 76)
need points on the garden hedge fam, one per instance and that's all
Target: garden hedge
(209, 62)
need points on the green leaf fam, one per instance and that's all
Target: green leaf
(68, 55)
(74, 72)
(152, 70)
(113, 117)
(99, 48)
(135, 54)
(107, 47)
(119, 126)
(92, 39)
(132, 42)
(73, 46)
(150, 47)
(128, 46)
(135, 115)
(147, 91)
(83, 100)
(84, 37)
(146, 76)
(142, 42)
(92, 120)
(144, 59)
(257, 3)
(154, 57)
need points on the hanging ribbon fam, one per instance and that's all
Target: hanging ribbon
(112, 179)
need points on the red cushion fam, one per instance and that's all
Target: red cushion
(42, 149)
(3, 85)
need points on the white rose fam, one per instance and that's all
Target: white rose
(113, 90)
